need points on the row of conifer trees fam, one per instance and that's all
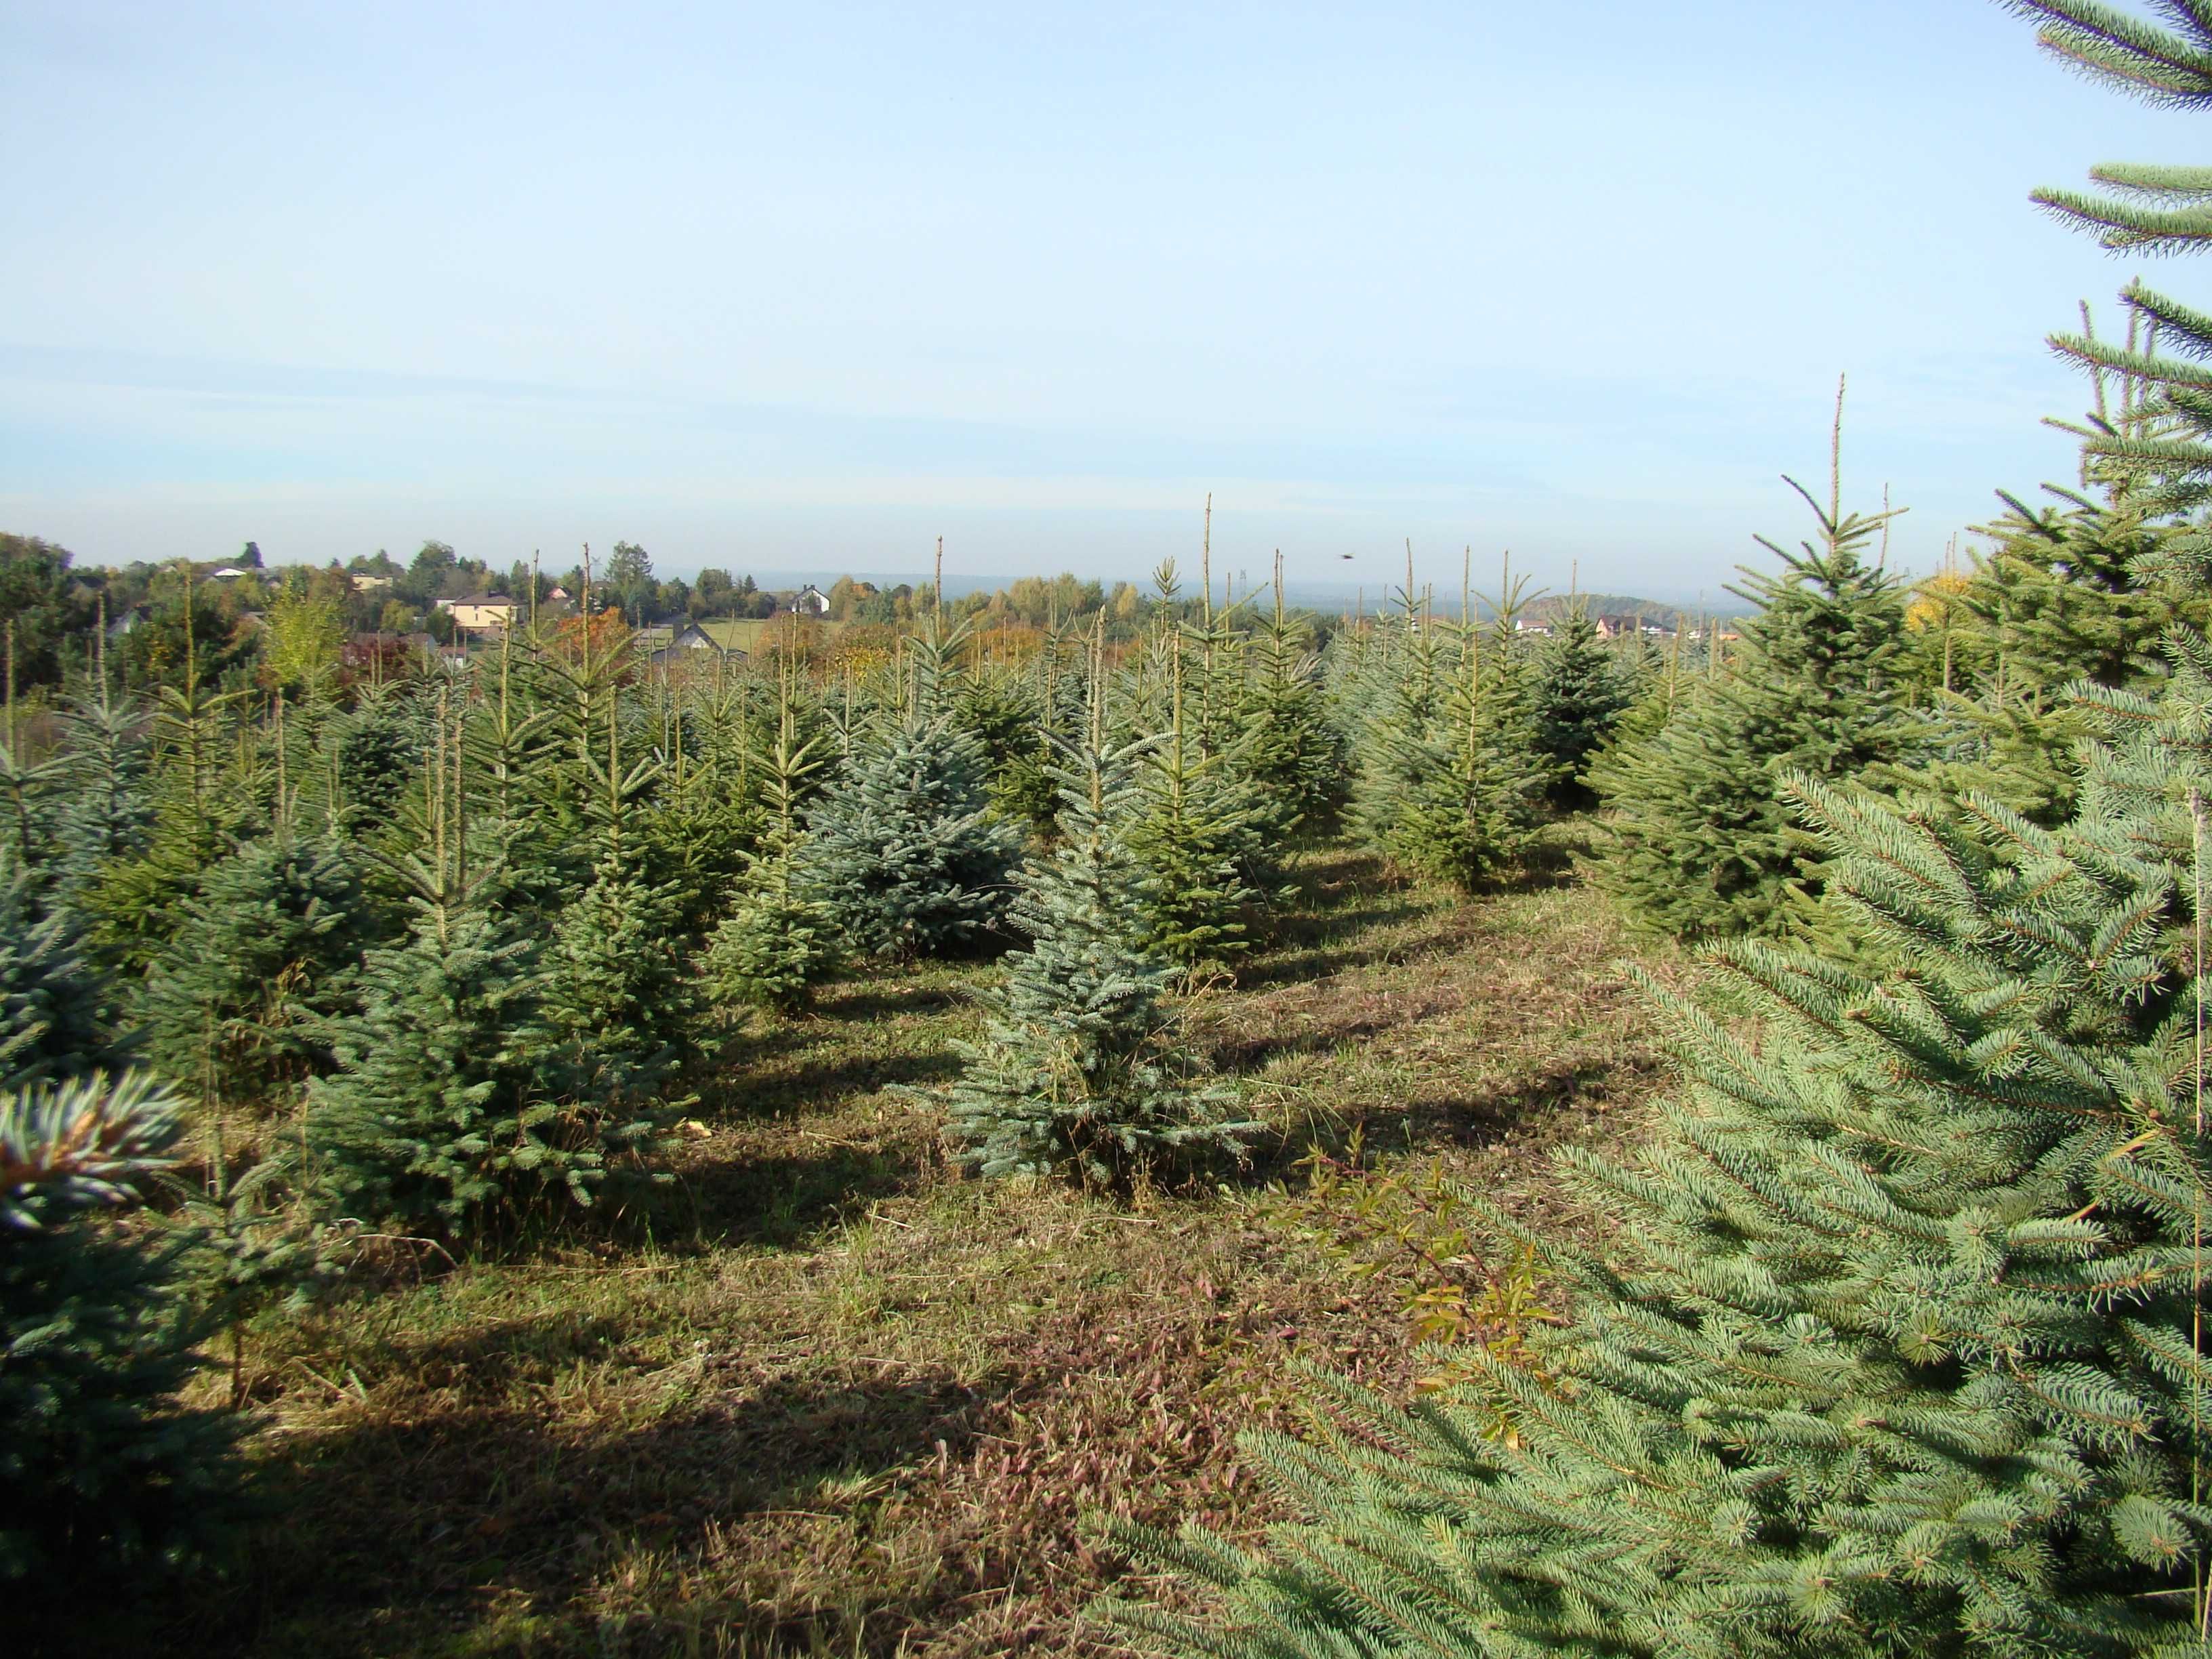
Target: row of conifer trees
(442, 957)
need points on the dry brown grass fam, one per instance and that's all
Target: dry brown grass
(827, 1397)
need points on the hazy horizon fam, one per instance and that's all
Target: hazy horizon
(801, 291)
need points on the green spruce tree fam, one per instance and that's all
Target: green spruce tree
(55, 1014)
(106, 809)
(1896, 1345)
(1288, 749)
(1890, 1346)
(1198, 838)
(235, 1007)
(1700, 841)
(1580, 693)
(904, 849)
(446, 1110)
(1451, 776)
(1078, 1074)
(618, 1000)
(777, 942)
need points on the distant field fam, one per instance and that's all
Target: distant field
(744, 634)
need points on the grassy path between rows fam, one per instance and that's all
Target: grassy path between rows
(829, 1397)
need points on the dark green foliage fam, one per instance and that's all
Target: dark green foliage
(200, 810)
(236, 1008)
(1580, 693)
(105, 810)
(100, 1468)
(40, 605)
(1195, 836)
(440, 1115)
(1701, 842)
(1007, 714)
(904, 849)
(54, 1020)
(697, 842)
(775, 944)
(1288, 749)
(2060, 601)
(131, 903)
(1078, 1074)
(619, 1006)
(251, 1239)
(1452, 778)
(2056, 606)
(373, 753)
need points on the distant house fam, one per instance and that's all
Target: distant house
(128, 623)
(479, 611)
(364, 582)
(665, 644)
(225, 572)
(811, 601)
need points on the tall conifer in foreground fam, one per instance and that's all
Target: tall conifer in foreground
(1077, 1074)
(1888, 1351)
(1701, 843)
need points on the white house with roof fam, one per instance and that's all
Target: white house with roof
(478, 612)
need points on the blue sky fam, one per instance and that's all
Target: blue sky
(804, 287)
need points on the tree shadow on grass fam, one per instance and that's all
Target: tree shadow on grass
(1436, 1121)
(786, 1202)
(1308, 963)
(484, 1362)
(776, 1092)
(878, 1001)
(400, 1536)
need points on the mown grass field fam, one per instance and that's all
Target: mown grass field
(824, 1396)
(746, 633)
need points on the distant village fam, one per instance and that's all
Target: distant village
(445, 606)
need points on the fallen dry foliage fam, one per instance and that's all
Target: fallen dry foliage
(825, 1397)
